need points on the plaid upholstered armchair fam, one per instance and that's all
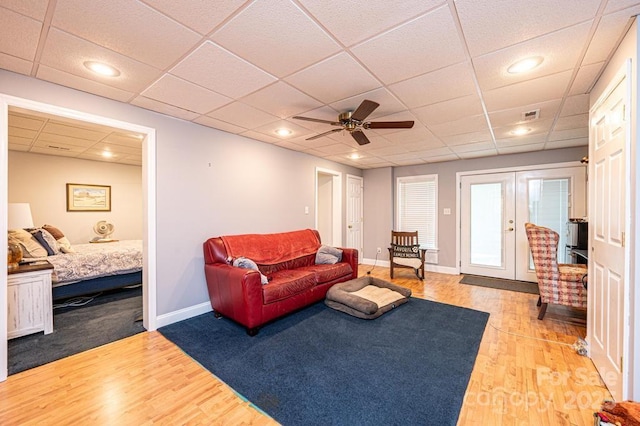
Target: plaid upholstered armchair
(560, 284)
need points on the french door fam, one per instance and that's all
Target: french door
(495, 207)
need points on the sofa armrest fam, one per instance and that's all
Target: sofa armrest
(350, 256)
(235, 293)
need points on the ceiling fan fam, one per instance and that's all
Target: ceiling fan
(353, 122)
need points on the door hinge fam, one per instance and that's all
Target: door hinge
(623, 239)
(460, 263)
(621, 366)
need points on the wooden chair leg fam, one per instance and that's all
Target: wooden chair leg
(543, 310)
(391, 270)
(539, 301)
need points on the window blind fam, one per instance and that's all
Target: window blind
(417, 206)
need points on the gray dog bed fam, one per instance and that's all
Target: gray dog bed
(366, 297)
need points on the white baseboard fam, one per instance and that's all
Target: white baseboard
(427, 267)
(183, 314)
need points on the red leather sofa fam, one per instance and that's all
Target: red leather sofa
(288, 261)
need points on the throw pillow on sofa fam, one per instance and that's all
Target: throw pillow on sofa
(246, 263)
(328, 255)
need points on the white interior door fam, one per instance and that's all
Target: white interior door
(354, 213)
(608, 313)
(487, 210)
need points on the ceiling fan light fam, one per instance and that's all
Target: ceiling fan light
(102, 68)
(283, 132)
(525, 65)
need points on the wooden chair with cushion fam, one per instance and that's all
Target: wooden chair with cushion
(560, 284)
(405, 252)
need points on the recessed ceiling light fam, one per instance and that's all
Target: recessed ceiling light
(107, 154)
(354, 156)
(525, 65)
(102, 69)
(520, 131)
(283, 132)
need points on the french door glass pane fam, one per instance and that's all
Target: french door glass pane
(549, 207)
(487, 242)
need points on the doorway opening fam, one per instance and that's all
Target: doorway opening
(328, 212)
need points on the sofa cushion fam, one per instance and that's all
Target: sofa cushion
(287, 283)
(298, 262)
(326, 273)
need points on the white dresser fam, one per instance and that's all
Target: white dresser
(30, 308)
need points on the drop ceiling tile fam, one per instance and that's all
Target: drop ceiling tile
(219, 70)
(567, 143)
(478, 146)
(266, 32)
(22, 132)
(447, 83)
(521, 148)
(163, 108)
(11, 63)
(388, 103)
(615, 5)
(424, 44)
(171, 90)
(433, 152)
(521, 140)
(242, 115)
(45, 139)
(514, 116)
(130, 28)
(579, 121)
(387, 150)
(474, 123)
(217, 124)
(558, 135)
(418, 133)
(608, 33)
(335, 149)
(441, 158)
(450, 110)
(17, 146)
(478, 154)
(527, 92)
(573, 105)
(126, 140)
(401, 159)
(338, 16)
(35, 9)
(312, 144)
(560, 51)
(19, 34)
(22, 121)
(67, 53)
(17, 140)
(281, 100)
(467, 138)
(334, 79)
(85, 84)
(424, 145)
(201, 16)
(489, 26)
(413, 161)
(260, 136)
(119, 150)
(60, 151)
(322, 113)
(73, 131)
(586, 78)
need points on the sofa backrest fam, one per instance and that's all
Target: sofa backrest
(270, 251)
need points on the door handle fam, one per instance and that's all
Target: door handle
(349, 226)
(509, 229)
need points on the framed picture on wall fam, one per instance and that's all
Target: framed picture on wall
(88, 198)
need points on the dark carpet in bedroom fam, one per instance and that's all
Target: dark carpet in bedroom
(109, 317)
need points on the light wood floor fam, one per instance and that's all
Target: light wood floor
(518, 379)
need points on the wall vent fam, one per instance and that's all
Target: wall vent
(531, 115)
(59, 148)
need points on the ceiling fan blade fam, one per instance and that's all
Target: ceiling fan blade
(389, 125)
(317, 120)
(323, 134)
(363, 111)
(360, 137)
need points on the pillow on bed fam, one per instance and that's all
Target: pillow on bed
(57, 234)
(38, 234)
(30, 246)
(62, 241)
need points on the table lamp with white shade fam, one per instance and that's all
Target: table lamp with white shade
(18, 217)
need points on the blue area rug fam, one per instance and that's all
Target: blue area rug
(323, 367)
